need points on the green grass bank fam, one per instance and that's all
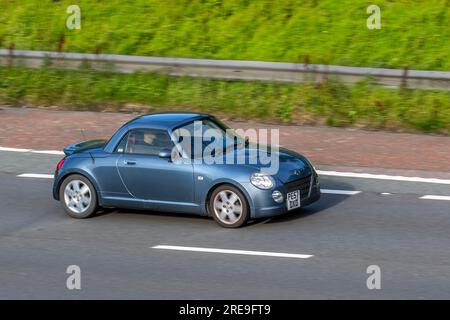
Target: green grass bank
(363, 105)
(413, 33)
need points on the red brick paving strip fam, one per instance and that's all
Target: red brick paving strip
(48, 129)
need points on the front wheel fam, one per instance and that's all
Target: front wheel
(78, 197)
(228, 207)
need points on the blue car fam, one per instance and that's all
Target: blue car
(147, 164)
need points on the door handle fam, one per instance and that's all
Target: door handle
(129, 162)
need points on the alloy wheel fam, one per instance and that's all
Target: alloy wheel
(77, 196)
(227, 206)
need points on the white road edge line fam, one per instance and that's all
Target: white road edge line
(433, 197)
(36, 175)
(346, 192)
(230, 251)
(382, 177)
(14, 149)
(321, 172)
(56, 152)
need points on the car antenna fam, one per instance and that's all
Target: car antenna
(84, 139)
(82, 133)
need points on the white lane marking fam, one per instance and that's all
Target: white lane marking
(432, 197)
(347, 192)
(321, 172)
(36, 175)
(229, 251)
(14, 149)
(56, 152)
(382, 177)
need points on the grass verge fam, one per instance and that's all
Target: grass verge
(363, 105)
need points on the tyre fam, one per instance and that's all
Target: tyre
(78, 197)
(229, 207)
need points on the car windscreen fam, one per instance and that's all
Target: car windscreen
(198, 135)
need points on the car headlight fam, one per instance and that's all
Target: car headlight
(262, 181)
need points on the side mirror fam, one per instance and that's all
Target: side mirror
(165, 153)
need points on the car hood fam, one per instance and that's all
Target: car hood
(291, 165)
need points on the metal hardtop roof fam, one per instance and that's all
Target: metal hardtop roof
(166, 120)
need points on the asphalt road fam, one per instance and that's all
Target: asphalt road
(407, 237)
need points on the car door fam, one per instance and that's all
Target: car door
(147, 176)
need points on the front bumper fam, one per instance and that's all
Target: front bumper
(264, 206)
(264, 212)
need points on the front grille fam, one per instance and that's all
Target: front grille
(301, 184)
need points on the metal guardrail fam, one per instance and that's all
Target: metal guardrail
(228, 69)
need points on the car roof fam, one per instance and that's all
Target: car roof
(166, 120)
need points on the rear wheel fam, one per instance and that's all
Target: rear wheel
(228, 207)
(78, 197)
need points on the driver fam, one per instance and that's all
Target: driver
(149, 138)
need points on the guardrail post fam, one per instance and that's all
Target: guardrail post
(324, 78)
(98, 49)
(61, 43)
(307, 77)
(404, 81)
(11, 49)
(306, 61)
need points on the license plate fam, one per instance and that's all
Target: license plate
(293, 199)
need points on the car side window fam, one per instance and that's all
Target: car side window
(145, 141)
